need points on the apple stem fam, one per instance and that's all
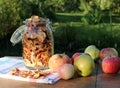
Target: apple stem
(62, 54)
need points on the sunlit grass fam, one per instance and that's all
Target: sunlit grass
(70, 14)
(71, 35)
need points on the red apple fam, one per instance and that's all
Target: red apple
(111, 64)
(57, 60)
(75, 55)
(66, 71)
(108, 52)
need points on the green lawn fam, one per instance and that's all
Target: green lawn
(71, 35)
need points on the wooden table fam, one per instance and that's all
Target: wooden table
(97, 80)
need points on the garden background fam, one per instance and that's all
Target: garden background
(76, 23)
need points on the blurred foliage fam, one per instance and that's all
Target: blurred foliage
(8, 15)
(116, 7)
(71, 5)
(96, 10)
(13, 12)
(75, 34)
(76, 38)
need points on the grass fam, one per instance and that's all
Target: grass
(71, 35)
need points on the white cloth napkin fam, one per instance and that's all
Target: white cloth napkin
(8, 63)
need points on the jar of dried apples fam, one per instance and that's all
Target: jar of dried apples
(37, 41)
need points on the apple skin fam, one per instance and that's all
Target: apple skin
(75, 55)
(66, 71)
(111, 65)
(57, 60)
(108, 52)
(93, 51)
(84, 65)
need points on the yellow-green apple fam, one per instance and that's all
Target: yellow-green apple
(111, 64)
(108, 52)
(93, 51)
(66, 71)
(57, 60)
(84, 65)
(75, 55)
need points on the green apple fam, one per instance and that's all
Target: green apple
(93, 51)
(84, 65)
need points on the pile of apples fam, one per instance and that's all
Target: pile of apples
(83, 63)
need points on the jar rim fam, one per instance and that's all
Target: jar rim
(45, 21)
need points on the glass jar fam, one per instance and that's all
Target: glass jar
(37, 42)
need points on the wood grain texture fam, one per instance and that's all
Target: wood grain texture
(107, 80)
(79, 82)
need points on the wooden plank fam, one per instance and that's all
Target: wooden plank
(107, 80)
(80, 82)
